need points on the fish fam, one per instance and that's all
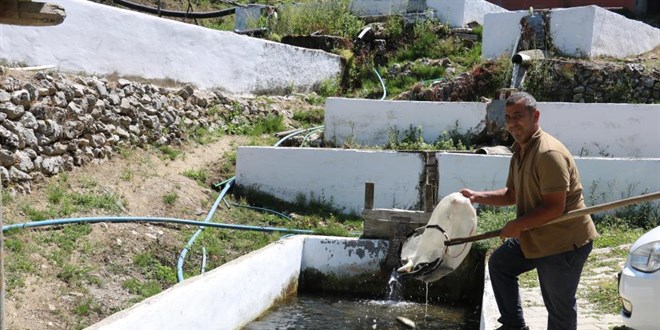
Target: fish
(406, 321)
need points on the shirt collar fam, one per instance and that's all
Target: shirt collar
(535, 137)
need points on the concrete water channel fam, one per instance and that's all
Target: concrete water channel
(335, 283)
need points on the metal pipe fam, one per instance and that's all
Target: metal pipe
(527, 56)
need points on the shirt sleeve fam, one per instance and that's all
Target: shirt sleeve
(509, 179)
(553, 172)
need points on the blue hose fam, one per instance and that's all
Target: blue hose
(67, 221)
(209, 216)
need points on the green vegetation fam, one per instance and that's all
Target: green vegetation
(199, 176)
(170, 198)
(413, 139)
(62, 202)
(169, 152)
(333, 18)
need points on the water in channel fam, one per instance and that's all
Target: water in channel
(313, 311)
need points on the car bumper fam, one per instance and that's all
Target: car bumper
(642, 292)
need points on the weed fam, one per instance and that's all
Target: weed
(76, 276)
(169, 152)
(199, 176)
(86, 307)
(170, 198)
(127, 174)
(144, 289)
(333, 18)
(267, 124)
(311, 117)
(603, 296)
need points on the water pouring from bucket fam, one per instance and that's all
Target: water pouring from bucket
(425, 255)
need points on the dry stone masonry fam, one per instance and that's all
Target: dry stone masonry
(50, 123)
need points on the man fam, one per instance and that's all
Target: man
(543, 183)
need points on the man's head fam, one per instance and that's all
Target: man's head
(522, 117)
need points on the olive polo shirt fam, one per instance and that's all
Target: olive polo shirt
(547, 166)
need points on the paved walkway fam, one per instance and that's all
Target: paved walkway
(536, 315)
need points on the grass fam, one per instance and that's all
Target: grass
(200, 176)
(169, 152)
(170, 198)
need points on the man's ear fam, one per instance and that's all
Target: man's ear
(536, 115)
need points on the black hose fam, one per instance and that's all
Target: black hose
(172, 13)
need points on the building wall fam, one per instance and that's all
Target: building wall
(99, 39)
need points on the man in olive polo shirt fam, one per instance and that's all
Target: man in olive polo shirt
(543, 183)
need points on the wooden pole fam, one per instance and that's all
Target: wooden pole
(566, 216)
(368, 195)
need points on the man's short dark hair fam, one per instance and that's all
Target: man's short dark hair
(530, 101)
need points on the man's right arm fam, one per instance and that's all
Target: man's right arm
(500, 197)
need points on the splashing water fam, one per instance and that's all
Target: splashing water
(514, 75)
(394, 287)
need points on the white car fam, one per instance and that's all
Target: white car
(639, 283)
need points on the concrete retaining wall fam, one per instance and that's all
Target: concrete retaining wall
(227, 297)
(339, 175)
(332, 176)
(582, 31)
(459, 13)
(591, 129)
(100, 39)
(237, 292)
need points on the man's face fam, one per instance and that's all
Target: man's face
(521, 122)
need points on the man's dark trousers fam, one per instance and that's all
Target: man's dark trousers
(559, 275)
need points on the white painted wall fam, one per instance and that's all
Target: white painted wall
(477, 172)
(475, 10)
(616, 36)
(603, 179)
(587, 129)
(500, 33)
(343, 258)
(572, 30)
(378, 7)
(580, 31)
(368, 122)
(227, 297)
(334, 176)
(99, 39)
(339, 174)
(450, 12)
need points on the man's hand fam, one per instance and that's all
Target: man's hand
(511, 230)
(469, 194)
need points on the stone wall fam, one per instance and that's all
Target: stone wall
(592, 82)
(557, 80)
(50, 123)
